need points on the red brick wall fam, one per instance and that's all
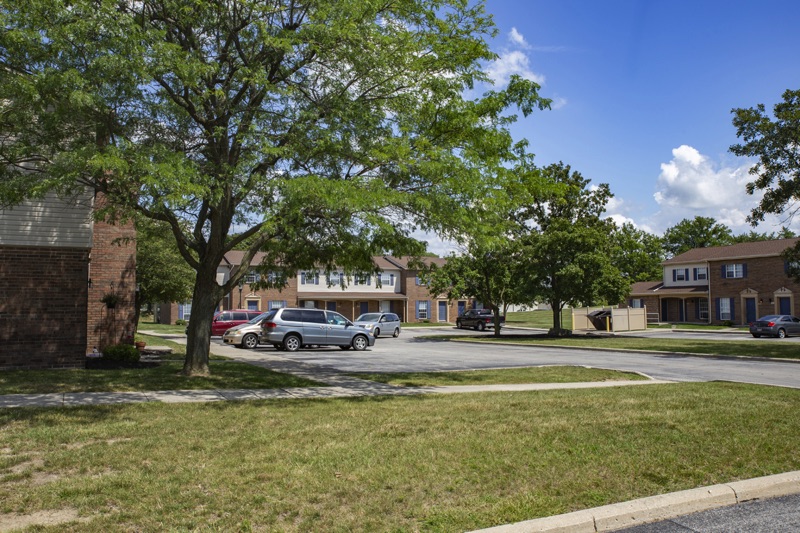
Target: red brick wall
(112, 269)
(43, 307)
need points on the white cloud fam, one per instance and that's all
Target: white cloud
(516, 38)
(691, 185)
(513, 60)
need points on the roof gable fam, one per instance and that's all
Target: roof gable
(742, 250)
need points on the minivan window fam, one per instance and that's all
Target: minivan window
(240, 316)
(336, 319)
(225, 316)
(291, 315)
(314, 316)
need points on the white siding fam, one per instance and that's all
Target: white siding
(50, 222)
(690, 274)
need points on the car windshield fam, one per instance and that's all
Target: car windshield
(258, 319)
(369, 317)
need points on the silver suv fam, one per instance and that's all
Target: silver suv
(291, 329)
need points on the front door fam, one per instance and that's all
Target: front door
(442, 312)
(364, 307)
(462, 306)
(750, 310)
(330, 306)
(784, 305)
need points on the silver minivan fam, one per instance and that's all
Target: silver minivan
(291, 329)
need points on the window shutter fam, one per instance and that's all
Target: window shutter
(391, 279)
(430, 311)
(369, 280)
(302, 278)
(686, 274)
(674, 275)
(696, 305)
(417, 309)
(786, 267)
(694, 274)
(724, 271)
(630, 302)
(733, 313)
(716, 306)
(744, 272)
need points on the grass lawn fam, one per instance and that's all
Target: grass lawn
(764, 348)
(161, 328)
(538, 319)
(225, 375)
(546, 374)
(429, 463)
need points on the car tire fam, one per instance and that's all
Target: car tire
(376, 332)
(344, 347)
(756, 335)
(458, 324)
(396, 332)
(360, 343)
(292, 343)
(250, 341)
(781, 333)
(481, 326)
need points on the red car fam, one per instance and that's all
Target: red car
(224, 320)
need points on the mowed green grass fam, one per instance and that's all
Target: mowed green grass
(761, 348)
(504, 376)
(423, 463)
(167, 376)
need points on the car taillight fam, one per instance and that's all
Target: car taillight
(270, 325)
(770, 324)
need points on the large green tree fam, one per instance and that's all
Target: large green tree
(568, 245)
(699, 232)
(318, 131)
(775, 142)
(636, 253)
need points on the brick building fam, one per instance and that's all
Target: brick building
(396, 288)
(56, 263)
(722, 284)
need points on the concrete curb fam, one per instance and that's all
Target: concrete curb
(656, 508)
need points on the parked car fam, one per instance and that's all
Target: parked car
(225, 320)
(377, 323)
(776, 326)
(479, 319)
(291, 329)
(245, 335)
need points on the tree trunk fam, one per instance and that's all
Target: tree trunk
(556, 306)
(496, 313)
(205, 298)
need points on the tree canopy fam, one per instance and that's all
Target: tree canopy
(637, 253)
(776, 144)
(318, 132)
(699, 232)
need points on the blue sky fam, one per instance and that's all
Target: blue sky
(643, 92)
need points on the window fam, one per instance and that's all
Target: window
(725, 309)
(736, 270)
(276, 304)
(679, 274)
(700, 274)
(387, 279)
(422, 309)
(702, 308)
(336, 278)
(637, 303)
(309, 278)
(363, 279)
(252, 277)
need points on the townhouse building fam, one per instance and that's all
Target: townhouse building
(56, 264)
(395, 287)
(723, 284)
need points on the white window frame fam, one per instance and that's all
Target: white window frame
(637, 303)
(702, 274)
(422, 309)
(275, 304)
(725, 309)
(387, 279)
(309, 277)
(734, 271)
(702, 305)
(252, 277)
(680, 274)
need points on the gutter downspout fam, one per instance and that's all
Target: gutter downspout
(708, 277)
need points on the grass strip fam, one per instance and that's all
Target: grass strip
(166, 376)
(430, 463)
(764, 348)
(506, 376)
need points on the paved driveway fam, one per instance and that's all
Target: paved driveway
(413, 352)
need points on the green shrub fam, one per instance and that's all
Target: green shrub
(180, 322)
(124, 353)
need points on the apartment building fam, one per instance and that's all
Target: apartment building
(722, 284)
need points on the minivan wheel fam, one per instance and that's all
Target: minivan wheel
(292, 343)
(360, 343)
(396, 332)
(250, 341)
(376, 333)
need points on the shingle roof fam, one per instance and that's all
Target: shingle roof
(735, 251)
(234, 257)
(657, 287)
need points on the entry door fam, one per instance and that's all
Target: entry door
(364, 307)
(784, 305)
(750, 310)
(462, 306)
(442, 312)
(331, 306)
